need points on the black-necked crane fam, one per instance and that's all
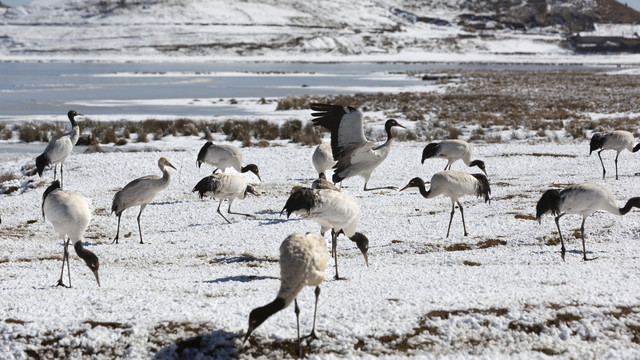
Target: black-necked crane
(140, 192)
(452, 150)
(322, 158)
(223, 157)
(303, 260)
(453, 184)
(59, 148)
(332, 210)
(616, 140)
(225, 186)
(69, 214)
(581, 199)
(355, 155)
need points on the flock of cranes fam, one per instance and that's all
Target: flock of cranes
(303, 256)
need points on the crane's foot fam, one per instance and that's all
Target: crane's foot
(336, 277)
(585, 258)
(115, 241)
(562, 251)
(60, 283)
(310, 337)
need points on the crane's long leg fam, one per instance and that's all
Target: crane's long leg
(117, 232)
(334, 251)
(462, 214)
(380, 188)
(603, 170)
(616, 161)
(297, 310)
(62, 175)
(65, 257)
(313, 335)
(453, 208)
(55, 172)
(139, 228)
(562, 249)
(584, 248)
(220, 203)
(237, 213)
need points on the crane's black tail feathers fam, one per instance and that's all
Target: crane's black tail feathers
(550, 201)
(301, 199)
(483, 189)
(597, 140)
(430, 151)
(42, 162)
(636, 148)
(205, 185)
(54, 185)
(631, 203)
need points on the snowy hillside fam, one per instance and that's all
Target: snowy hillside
(280, 29)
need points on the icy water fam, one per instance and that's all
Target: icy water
(138, 89)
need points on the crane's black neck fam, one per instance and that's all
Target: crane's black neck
(89, 258)
(260, 314)
(423, 191)
(387, 127)
(631, 203)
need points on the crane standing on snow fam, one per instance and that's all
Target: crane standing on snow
(69, 214)
(303, 260)
(59, 148)
(355, 155)
(140, 191)
(582, 199)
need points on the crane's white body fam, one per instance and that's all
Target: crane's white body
(223, 157)
(362, 159)
(452, 183)
(333, 210)
(228, 187)
(59, 148)
(322, 158)
(453, 150)
(586, 198)
(618, 140)
(68, 212)
(303, 261)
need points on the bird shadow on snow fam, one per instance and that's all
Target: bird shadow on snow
(217, 344)
(274, 221)
(239, 278)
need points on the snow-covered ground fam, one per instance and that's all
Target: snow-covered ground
(189, 289)
(275, 30)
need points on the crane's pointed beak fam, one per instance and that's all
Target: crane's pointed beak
(171, 165)
(366, 258)
(246, 337)
(404, 188)
(259, 178)
(401, 126)
(95, 272)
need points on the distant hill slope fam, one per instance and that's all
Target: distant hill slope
(143, 29)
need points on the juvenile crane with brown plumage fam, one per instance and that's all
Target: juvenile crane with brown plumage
(140, 192)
